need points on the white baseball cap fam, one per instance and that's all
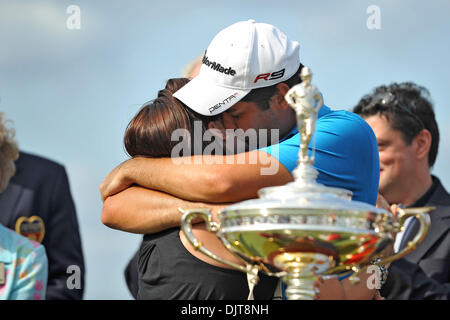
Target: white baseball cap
(244, 56)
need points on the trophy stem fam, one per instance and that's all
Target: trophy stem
(302, 269)
(301, 288)
(305, 174)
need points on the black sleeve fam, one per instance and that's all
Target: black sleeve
(407, 281)
(62, 242)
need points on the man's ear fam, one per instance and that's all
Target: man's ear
(422, 143)
(277, 99)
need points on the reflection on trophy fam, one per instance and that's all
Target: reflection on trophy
(304, 231)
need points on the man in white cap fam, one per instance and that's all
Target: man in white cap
(246, 72)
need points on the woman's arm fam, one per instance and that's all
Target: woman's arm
(140, 210)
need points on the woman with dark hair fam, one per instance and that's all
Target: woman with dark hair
(149, 132)
(169, 268)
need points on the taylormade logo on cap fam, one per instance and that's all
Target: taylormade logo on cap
(217, 66)
(244, 56)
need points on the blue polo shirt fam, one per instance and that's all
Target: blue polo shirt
(346, 153)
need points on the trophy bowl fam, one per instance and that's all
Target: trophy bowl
(304, 230)
(301, 239)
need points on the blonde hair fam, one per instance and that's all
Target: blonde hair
(188, 70)
(9, 152)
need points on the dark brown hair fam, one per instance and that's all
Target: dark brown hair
(149, 132)
(408, 108)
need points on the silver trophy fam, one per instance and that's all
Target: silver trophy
(304, 231)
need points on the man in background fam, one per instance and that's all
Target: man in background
(38, 205)
(402, 118)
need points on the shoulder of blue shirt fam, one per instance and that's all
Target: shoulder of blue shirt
(13, 244)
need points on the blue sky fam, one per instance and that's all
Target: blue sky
(71, 93)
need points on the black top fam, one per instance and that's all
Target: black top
(168, 271)
(414, 225)
(427, 197)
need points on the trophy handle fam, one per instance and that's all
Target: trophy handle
(211, 226)
(422, 215)
(419, 213)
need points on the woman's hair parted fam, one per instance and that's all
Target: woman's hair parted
(149, 133)
(9, 152)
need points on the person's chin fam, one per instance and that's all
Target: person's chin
(383, 187)
(387, 190)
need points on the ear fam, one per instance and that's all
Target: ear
(422, 143)
(277, 101)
